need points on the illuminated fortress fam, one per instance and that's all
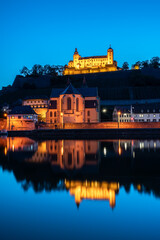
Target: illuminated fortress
(83, 65)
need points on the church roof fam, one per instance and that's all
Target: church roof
(56, 92)
(85, 92)
(88, 92)
(70, 90)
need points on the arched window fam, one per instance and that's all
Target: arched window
(77, 104)
(51, 114)
(69, 103)
(88, 113)
(54, 114)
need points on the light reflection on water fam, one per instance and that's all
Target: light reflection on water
(93, 174)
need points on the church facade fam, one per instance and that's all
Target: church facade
(73, 105)
(94, 64)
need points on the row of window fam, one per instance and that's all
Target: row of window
(142, 111)
(25, 117)
(36, 101)
(39, 106)
(125, 120)
(141, 120)
(51, 121)
(125, 115)
(147, 120)
(148, 115)
(51, 114)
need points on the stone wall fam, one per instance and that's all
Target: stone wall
(113, 125)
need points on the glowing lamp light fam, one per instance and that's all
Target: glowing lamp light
(105, 151)
(119, 113)
(119, 151)
(104, 110)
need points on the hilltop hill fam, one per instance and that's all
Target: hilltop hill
(119, 85)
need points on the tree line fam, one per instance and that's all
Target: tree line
(39, 70)
(153, 63)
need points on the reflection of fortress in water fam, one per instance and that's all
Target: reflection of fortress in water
(88, 169)
(93, 190)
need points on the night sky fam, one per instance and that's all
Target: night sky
(47, 32)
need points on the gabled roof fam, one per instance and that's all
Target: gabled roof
(88, 92)
(70, 90)
(146, 108)
(123, 109)
(22, 110)
(56, 92)
(85, 92)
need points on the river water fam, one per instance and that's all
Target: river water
(79, 189)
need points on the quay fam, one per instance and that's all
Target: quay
(132, 133)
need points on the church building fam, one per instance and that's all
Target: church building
(71, 105)
(94, 64)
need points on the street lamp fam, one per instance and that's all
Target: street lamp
(119, 113)
(62, 119)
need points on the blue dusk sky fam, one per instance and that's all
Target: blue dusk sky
(47, 32)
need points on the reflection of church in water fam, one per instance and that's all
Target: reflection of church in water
(80, 166)
(71, 154)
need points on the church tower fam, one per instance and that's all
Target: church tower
(110, 55)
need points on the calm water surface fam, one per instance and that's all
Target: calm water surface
(79, 189)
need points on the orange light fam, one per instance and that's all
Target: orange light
(5, 114)
(119, 151)
(5, 151)
(119, 113)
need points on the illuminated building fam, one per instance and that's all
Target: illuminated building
(149, 112)
(39, 105)
(122, 114)
(83, 65)
(93, 191)
(21, 118)
(71, 105)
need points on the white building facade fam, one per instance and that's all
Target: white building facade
(145, 112)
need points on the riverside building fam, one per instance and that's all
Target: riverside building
(21, 118)
(39, 104)
(145, 112)
(122, 114)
